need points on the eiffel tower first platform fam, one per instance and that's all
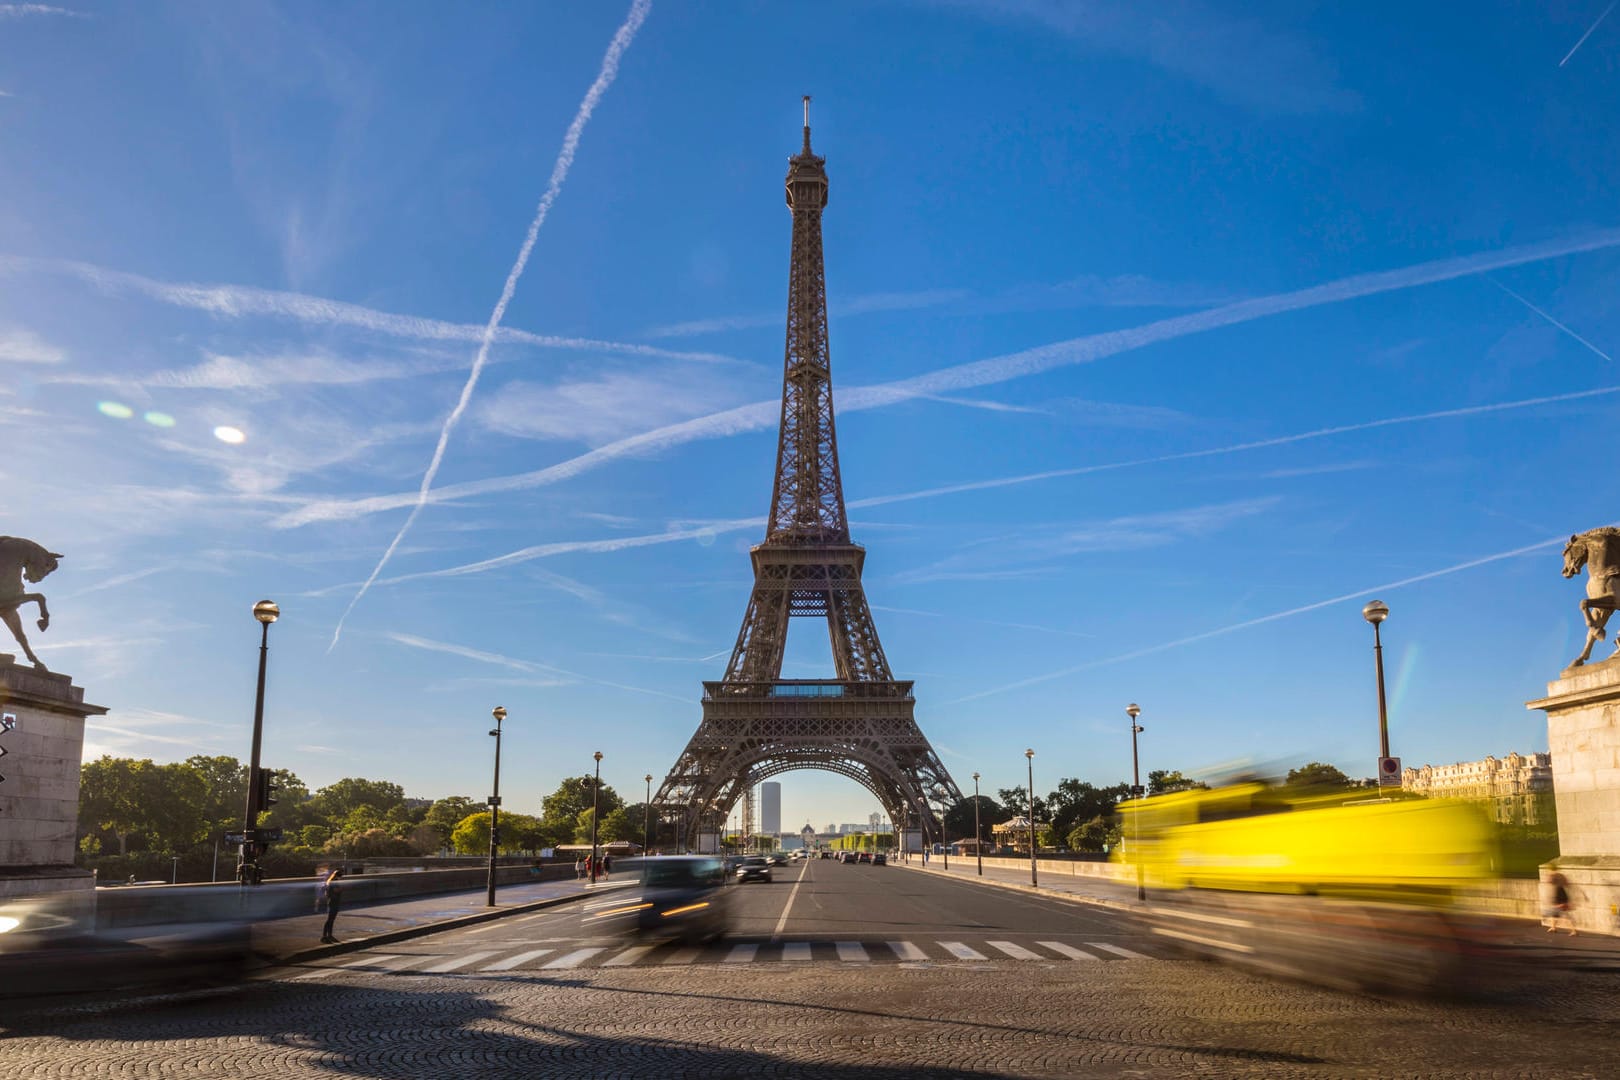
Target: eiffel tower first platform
(757, 724)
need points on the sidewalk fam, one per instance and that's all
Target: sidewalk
(297, 939)
(1526, 938)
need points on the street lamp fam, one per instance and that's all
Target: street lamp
(1029, 757)
(978, 837)
(499, 713)
(596, 802)
(1133, 710)
(944, 836)
(247, 868)
(646, 827)
(1376, 612)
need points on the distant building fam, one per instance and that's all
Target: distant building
(770, 808)
(1519, 787)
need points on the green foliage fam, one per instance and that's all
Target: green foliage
(561, 810)
(444, 815)
(959, 818)
(1090, 835)
(336, 802)
(518, 833)
(1016, 800)
(1317, 776)
(1076, 802)
(1164, 781)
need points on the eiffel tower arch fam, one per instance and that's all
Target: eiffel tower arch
(756, 724)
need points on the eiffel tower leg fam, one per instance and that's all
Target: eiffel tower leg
(856, 650)
(762, 638)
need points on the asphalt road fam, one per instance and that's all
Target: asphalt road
(831, 970)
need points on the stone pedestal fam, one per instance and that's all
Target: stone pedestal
(39, 797)
(1583, 734)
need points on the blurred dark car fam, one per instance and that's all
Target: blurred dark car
(103, 939)
(682, 896)
(825, 855)
(865, 857)
(880, 859)
(754, 868)
(779, 859)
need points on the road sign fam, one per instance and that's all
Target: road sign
(269, 836)
(1389, 772)
(235, 838)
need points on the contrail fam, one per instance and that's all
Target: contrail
(762, 414)
(1206, 635)
(559, 173)
(1550, 319)
(228, 301)
(1588, 33)
(624, 543)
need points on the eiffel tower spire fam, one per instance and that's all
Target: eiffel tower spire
(755, 723)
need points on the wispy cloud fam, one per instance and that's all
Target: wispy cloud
(24, 11)
(1588, 34)
(559, 172)
(530, 666)
(763, 414)
(20, 346)
(227, 301)
(1384, 587)
(253, 374)
(1193, 41)
(987, 622)
(602, 408)
(1316, 470)
(1046, 544)
(1553, 321)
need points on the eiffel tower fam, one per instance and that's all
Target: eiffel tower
(757, 724)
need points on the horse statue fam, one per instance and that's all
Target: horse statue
(34, 563)
(1598, 550)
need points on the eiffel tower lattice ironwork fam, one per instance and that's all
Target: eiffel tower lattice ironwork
(755, 723)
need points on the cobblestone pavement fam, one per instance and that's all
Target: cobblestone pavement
(999, 1018)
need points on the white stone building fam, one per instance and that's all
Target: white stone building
(1519, 786)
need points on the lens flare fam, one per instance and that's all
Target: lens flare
(116, 410)
(227, 434)
(159, 419)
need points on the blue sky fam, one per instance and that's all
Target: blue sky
(1161, 343)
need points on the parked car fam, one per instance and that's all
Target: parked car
(825, 855)
(865, 857)
(754, 868)
(880, 859)
(680, 896)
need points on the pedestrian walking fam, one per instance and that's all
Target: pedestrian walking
(1558, 907)
(607, 865)
(332, 891)
(579, 867)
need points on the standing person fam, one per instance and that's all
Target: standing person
(579, 867)
(1558, 910)
(333, 890)
(607, 864)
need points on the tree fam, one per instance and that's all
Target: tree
(959, 818)
(1091, 835)
(444, 815)
(471, 835)
(226, 780)
(1076, 801)
(626, 823)
(1164, 781)
(336, 801)
(1318, 776)
(1016, 799)
(165, 805)
(560, 811)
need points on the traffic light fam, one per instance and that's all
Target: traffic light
(267, 789)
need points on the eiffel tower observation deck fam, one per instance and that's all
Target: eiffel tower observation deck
(755, 723)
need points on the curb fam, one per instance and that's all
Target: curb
(388, 937)
(1051, 894)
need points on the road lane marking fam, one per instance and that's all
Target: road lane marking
(796, 950)
(1017, 952)
(513, 961)
(322, 973)
(741, 954)
(851, 952)
(961, 951)
(905, 950)
(573, 959)
(629, 956)
(776, 935)
(1199, 939)
(1115, 949)
(1067, 950)
(458, 962)
(405, 961)
(684, 956)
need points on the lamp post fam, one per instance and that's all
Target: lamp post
(1029, 757)
(1376, 612)
(1133, 710)
(944, 836)
(247, 867)
(646, 827)
(978, 837)
(596, 802)
(499, 713)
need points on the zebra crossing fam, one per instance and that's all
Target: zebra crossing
(571, 954)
